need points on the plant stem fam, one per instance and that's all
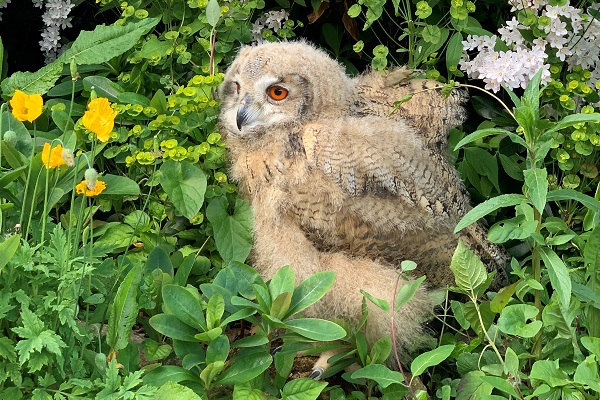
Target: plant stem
(473, 298)
(537, 275)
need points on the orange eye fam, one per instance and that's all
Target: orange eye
(277, 93)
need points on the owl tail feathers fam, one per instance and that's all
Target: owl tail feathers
(345, 301)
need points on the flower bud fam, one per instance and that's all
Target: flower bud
(91, 178)
(67, 155)
(10, 137)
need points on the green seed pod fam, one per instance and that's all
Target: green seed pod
(10, 137)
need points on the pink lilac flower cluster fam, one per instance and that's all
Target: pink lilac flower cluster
(570, 34)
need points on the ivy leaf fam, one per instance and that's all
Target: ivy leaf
(185, 184)
(233, 233)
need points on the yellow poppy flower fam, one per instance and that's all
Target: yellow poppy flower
(100, 118)
(82, 188)
(52, 157)
(26, 107)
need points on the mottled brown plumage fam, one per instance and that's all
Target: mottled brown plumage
(337, 183)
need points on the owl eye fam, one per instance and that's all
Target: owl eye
(277, 93)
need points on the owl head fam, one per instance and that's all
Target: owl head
(280, 84)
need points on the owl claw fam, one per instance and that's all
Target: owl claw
(317, 373)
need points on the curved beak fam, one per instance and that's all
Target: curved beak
(243, 112)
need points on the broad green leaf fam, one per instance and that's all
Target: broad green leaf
(209, 335)
(488, 206)
(281, 305)
(469, 271)
(310, 291)
(282, 282)
(430, 358)
(549, 372)
(103, 86)
(316, 329)
(531, 95)
(244, 369)
(354, 11)
(483, 163)
(119, 186)
(458, 310)
(381, 303)
(302, 389)
(245, 392)
(381, 350)
(214, 310)
(169, 325)
(407, 292)
(213, 13)
(501, 384)
(591, 252)
(536, 181)
(168, 373)
(503, 297)
(573, 119)
(559, 275)
(380, 374)
(123, 311)
(472, 387)
(513, 320)
(587, 373)
(175, 391)
(218, 349)
(511, 362)
(570, 194)
(480, 134)
(211, 370)
(8, 248)
(185, 184)
(183, 305)
(244, 276)
(106, 42)
(592, 344)
(33, 82)
(233, 233)
(159, 258)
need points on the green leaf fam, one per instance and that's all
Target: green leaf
(469, 271)
(169, 325)
(536, 181)
(573, 119)
(183, 305)
(513, 320)
(246, 392)
(316, 329)
(302, 389)
(185, 184)
(174, 391)
(381, 303)
(381, 350)
(233, 233)
(281, 305)
(472, 387)
(8, 248)
(587, 374)
(244, 369)
(431, 34)
(454, 50)
(213, 13)
(546, 371)
(487, 132)
(380, 374)
(119, 186)
(214, 310)
(483, 163)
(501, 384)
(103, 86)
(310, 291)
(488, 206)
(430, 358)
(123, 311)
(354, 11)
(33, 82)
(570, 194)
(218, 349)
(559, 275)
(106, 42)
(407, 292)
(159, 258)
(592, 344)
(282, 282)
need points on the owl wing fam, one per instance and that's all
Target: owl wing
(418, 102)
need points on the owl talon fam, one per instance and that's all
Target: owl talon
(317, 373)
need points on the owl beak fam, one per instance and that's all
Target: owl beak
(243, 113)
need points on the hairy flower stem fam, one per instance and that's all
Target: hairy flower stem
(473, 298)
(26, 189)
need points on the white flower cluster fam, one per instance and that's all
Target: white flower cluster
(570, 34)
(270, 20)
(3, 4)
(55, 17)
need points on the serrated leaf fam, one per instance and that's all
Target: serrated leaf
(123, 311)
(536, 181)
(233, 233)
(302, 389)
(106, 42)
(559, 275)
(469, 271)
(430, 358)
(33, 82)
(185, 184)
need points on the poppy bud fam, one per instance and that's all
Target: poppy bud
(67, 155)
(10, 137)
(91, 178)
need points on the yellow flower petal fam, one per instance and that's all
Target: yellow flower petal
(100, 118)
(26, 107)
(52, 157)
(81, 188)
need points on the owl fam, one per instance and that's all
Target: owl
(341, 179)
